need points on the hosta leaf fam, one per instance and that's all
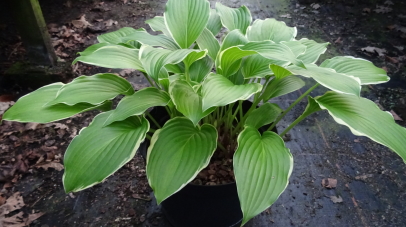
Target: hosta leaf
(186, 20)
(207, 41)
(138, 103)
(296, 46)
(364, 118)
(237, 78)
(329, 78)
(267, 49)
(312, 107)
(116, 36)
(262, 167)
(263, 115)
(151, 40)
(111, 56)
(31, 107)
(278, 87)
(200, 68)
(256, 66)
(214, 25)
(279, 71)
(216, 84)
(92, 89)
(365, 70)
(125, 35)
(154, 59)
(158, 24)
(187, 101)
(270, 29)
(233, 38)
(313, 51)
(97, 152)
(178, 152)
(239, 18)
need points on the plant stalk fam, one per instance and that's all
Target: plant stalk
(291, 106)
(299, 119)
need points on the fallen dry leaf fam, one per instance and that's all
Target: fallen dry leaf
(395, 116)
(2, 199)
(366, 10)
(81, 23)
(315, 5)
(13, 203)
(4, 106)
(125, 72)
(382, 9)
(55, 165)
(369, 49)
(388, 2)
(18, 220)
(110, 23)
(329, 183)
(393, 60)
(336, 199)
(59, 53)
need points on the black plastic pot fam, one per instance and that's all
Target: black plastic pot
(200, 205)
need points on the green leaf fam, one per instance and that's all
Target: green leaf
(207, 41)
(256, 66)
(237, 78)
(313, 51)
(262, 167)
(267, 49)
(154, 59)
(126, 35)
(279, 71)
(178, 152)
(97, 152)
(296, 46)
(138, 103)
(186, 20)
(31, 107)
(329, 78)
(152, 40)
(239, 18)
(200, 68)
(92, 89)
(111, 56)
(270, 29)
(263, 115)
(365, 70)
(233, 38)
(214, 25)
(364, 118)
(187, 101)
(116, 36)
(312, 107)
(157, 24)
(216, 84)
(278, 87)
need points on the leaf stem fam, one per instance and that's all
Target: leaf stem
(299, 119)
(153, 119)
(291, 106)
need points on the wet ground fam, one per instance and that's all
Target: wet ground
(370, 178)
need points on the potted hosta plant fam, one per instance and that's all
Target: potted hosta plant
(201, 82)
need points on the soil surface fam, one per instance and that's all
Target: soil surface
(338, 179)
